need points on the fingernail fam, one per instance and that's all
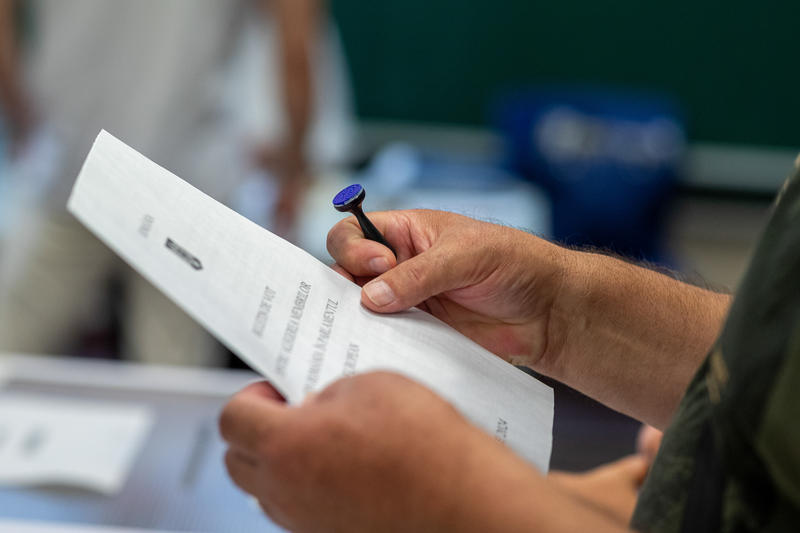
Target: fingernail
(379, 265)
(379, 293)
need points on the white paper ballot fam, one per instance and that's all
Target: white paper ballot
(285, 313)
(63, 441)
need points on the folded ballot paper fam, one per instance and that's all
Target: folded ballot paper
(285, 313)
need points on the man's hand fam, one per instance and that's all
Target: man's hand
(494, 284)
(378, 452)
(366, 454)
(648, 443)
(370, 453)
(613, 488)
(624, 335)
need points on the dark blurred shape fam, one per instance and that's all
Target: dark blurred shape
(586, 433)
(608, 159)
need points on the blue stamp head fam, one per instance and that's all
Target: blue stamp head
(349, 197)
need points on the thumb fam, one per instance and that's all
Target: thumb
(413, 281)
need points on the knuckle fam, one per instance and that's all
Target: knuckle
(230, 463)
(337, 236)
(274, 449)
(270, 449)
(416, 273)
(332, 426)
(333, 239)
(266, 441)
(378, 378)
(226, 423)
(282, 447)
(329, 240)
(335, 389)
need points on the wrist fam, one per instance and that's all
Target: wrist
(558, 276)
(590, 305)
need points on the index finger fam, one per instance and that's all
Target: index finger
(363, 257)
(252, 416)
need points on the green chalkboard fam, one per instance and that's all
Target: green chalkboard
(734, 65)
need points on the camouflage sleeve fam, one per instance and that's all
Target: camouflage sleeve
(778, 440)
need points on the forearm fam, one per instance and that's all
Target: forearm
(630, 337)
(298, 22)
(512, 496)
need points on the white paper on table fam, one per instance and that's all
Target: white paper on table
(285, 313)
(64, 441)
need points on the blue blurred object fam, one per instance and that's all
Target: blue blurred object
(608, 159)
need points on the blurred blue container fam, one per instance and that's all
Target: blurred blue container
(609, 161)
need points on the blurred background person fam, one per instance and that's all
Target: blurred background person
(172, 78)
